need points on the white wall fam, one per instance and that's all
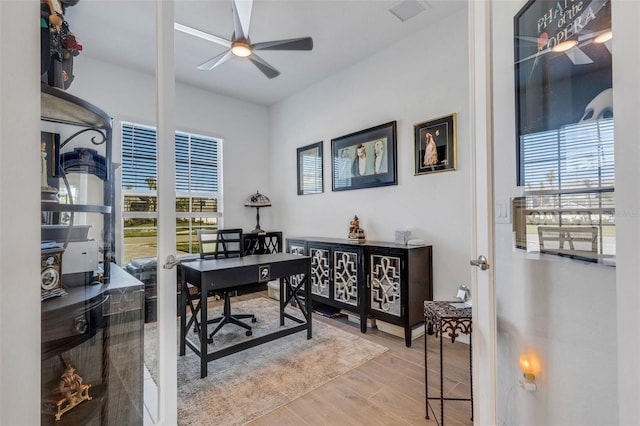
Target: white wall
(562, 310)
(19, 214)
(423, 77)
(626, 103)
(130, 95)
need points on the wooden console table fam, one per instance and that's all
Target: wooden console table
(440, 318)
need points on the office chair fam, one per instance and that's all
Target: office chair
(221, 244)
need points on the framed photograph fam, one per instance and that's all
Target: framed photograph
(365, 159)
(435, 145)
(310, 175)
(50, 147)
(563, 74)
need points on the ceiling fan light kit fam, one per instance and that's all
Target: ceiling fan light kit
(565, 45)
(240, 46)
(603, 37)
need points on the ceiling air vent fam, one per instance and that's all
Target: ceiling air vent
(407, 9)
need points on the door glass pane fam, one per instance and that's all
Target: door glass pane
(385, 284)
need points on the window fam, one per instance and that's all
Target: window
(569, 180)
(197, 189)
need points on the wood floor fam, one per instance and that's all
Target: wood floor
(388, 390)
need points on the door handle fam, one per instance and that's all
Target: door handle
(481, 262)
(171, 262)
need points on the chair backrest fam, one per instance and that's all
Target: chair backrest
(583, 239)
(221, 243)
(262, 243)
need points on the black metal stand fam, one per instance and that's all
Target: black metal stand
(441, 318)
(258, 229)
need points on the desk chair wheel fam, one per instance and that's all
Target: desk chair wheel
(254, 319)
(248, 333)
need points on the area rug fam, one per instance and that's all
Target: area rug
(244, 386)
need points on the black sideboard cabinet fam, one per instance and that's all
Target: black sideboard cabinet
(382, 280)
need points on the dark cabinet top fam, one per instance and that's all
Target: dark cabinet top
(366, 243)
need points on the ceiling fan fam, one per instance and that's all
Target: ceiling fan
(240, 45)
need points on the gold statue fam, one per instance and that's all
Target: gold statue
(355, 232)
(70, 383)
(70, 392)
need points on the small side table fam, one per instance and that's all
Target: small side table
(442, 317)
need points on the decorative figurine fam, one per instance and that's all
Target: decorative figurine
(48, 194)
(58, 44)
(70, 392)
(355, 232)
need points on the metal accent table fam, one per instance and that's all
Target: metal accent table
(442, 317)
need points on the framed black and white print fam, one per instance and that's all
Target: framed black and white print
(310, 169)
(365, 159)
(563, 72)
(50, 148)
(435, 145)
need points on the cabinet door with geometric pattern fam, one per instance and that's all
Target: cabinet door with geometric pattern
(319, 271)
(345, 276)
(385, 288)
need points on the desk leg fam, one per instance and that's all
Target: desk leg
(284, 284)
(183, 314)
(426, 369)
(471, 370)
(441, 377)
(307, 300)
(203, 330)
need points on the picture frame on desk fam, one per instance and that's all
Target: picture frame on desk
(365, 159)
(435, 145)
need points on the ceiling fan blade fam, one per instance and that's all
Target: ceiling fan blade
(214, 62)
(304, 43)
(241, 18)
(266, 69)
(201, 34)
(578, 57)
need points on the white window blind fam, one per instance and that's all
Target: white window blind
(311, 174)
(196, 160)
(569, 180)
(139, 153)
(574, 157)
(197, 188)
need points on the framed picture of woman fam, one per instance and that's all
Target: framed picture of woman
(435, 145)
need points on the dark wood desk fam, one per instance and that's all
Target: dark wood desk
(228, 274)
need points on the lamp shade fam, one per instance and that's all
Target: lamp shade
(257, 200)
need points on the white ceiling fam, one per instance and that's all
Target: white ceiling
(343, 31)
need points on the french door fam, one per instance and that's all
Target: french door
(482, 278)
(167, 276)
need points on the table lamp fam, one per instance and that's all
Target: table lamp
(257, 200)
